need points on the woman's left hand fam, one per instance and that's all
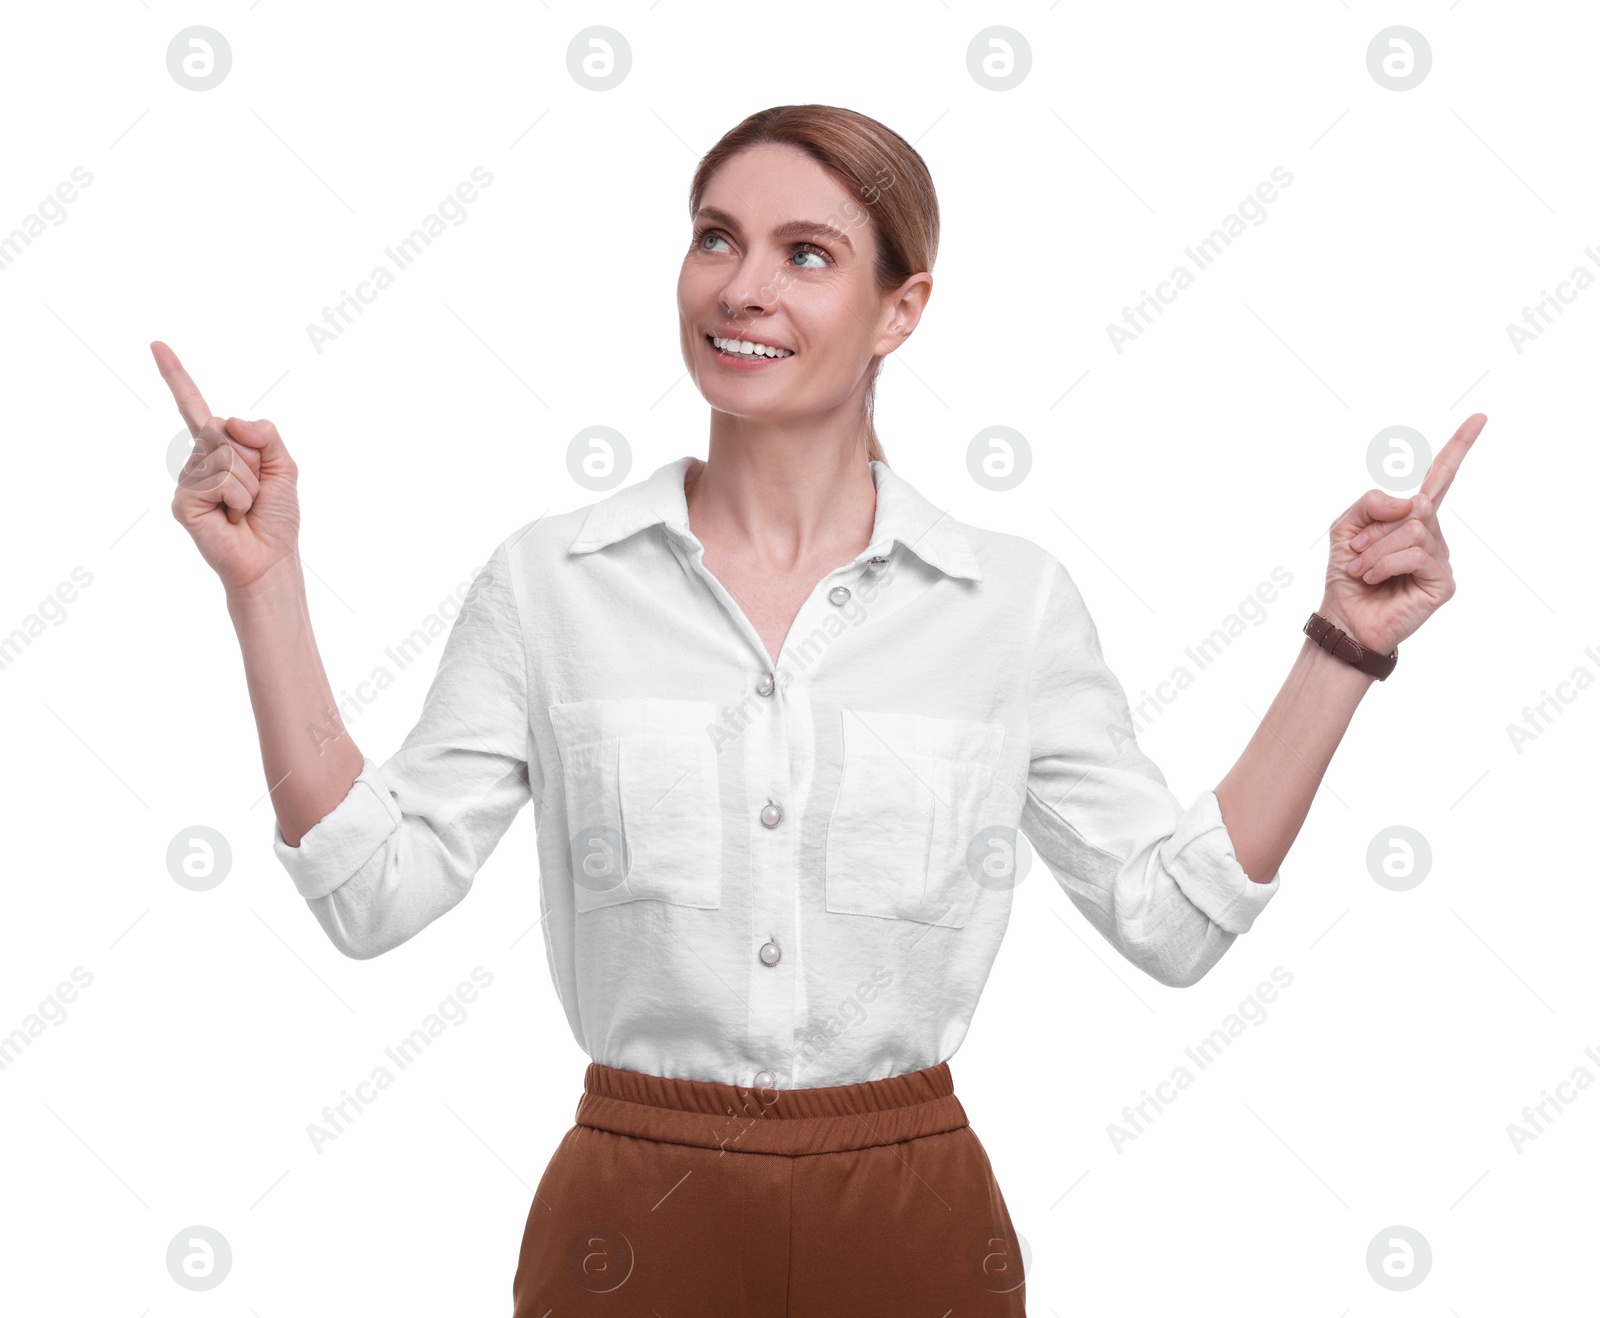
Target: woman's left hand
(1388, 564)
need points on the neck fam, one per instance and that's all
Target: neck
(782, 503)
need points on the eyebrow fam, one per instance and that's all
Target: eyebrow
(790, 229)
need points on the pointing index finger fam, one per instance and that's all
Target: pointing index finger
(184, 390)
(1442, 470)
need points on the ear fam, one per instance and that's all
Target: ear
(903, 308)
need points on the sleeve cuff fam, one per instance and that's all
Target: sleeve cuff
(344, 839)
(1201, 858)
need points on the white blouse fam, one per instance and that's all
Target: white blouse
(795, 875)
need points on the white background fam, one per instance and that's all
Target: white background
(1172, 479)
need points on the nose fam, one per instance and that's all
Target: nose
(742, 296)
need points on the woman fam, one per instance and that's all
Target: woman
(781, 718)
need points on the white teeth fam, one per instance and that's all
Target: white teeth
(750, 349)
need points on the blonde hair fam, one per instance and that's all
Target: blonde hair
(874, 163)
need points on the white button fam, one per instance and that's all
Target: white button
(839, 594)
(764, 687)
(770, 952)
(765, 1080)
(771, 813)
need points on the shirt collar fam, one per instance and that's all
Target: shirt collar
(902, 515)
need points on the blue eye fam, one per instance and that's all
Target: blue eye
(806, 249)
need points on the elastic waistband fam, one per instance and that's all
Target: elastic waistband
(792, 1122)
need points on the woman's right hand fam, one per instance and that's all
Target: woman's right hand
(236, 495)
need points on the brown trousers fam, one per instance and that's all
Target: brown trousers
(685, 1197)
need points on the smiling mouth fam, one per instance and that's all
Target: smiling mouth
(745, 348)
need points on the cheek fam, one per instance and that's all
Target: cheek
(695, 291)
(844, 342)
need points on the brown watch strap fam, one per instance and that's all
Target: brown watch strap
(1339, 642)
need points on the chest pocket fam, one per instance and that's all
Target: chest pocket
(643, 810)
(922, 829)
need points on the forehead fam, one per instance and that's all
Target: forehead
(776, 189)
(773, 182)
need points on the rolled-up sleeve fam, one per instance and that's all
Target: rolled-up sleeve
(407, 840)
(1159, 881)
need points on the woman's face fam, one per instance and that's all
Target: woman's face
(782, 254)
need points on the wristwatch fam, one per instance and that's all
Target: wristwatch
(1339, 642)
